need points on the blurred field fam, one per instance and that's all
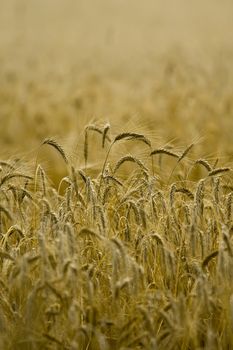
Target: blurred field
(116, 191)
(66, 63)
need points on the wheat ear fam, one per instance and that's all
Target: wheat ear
(55, 145)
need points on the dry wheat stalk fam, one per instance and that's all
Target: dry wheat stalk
(199, 195)
(56, 145)
(74, 181)
(42, 175)
(114, 179)
(229, 206)
(185, 191)
(219, 171)
(172, 194)
(216, 190)
(158, 238)
(6, 212)
(134, 207)
(129, 158)
(14, 175)
(205, 163)
(85, 150)
(164, 151)
(92, 127)
(186, 151)
(87, 231)
(209, 258)
(120, 285)
(7, 165)
(132, 136)
(83, 176)
(105, 132)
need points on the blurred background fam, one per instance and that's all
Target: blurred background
(160, 67)
(113, 32)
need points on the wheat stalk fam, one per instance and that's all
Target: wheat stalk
(105, 132)
(219, 171)
(56, 145)
(8, 177)
(205, 163)
(209, 258)
(132, 136)
(186, 151)
(119, 137)
(129, 158)
(164, 151)
(185, 191)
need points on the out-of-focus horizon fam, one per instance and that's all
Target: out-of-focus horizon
(112, 33)
(159, 67)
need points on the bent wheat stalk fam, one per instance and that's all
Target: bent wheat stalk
(123, 136)
(219, 171)
(182, 156)
(129, 158)
(58, 147)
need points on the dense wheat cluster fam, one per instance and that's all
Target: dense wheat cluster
(116, 175)
(136, 255)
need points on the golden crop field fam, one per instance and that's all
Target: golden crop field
(116, 182)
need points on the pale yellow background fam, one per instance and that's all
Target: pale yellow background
(113, 32)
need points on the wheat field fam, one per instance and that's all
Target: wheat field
(116, 175)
